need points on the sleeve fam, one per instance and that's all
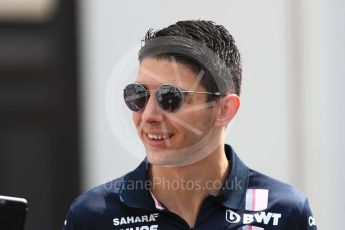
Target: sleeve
(307, 221)
(69, 223)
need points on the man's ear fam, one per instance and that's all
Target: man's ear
(228, 107)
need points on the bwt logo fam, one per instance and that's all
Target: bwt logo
(259, 217)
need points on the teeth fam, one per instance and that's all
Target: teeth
(157, 137)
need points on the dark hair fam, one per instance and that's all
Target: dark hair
(217, 39)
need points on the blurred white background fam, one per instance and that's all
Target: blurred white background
(291, 121)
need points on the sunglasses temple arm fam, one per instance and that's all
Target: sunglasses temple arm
(215, 93)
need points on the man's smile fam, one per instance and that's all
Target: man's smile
(158, 138)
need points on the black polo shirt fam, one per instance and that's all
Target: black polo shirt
(247, 200)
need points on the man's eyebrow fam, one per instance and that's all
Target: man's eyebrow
(143, 83)
(160, 84)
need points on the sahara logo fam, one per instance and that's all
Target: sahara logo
(248, 218)
(135, 219)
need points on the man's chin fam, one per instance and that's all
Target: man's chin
(162, 157)
(175, 158)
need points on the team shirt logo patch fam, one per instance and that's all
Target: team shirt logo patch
(257, 201)
(137, 219)
(311, 221)
(248, 218)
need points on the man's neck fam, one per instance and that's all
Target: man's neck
(183, 189)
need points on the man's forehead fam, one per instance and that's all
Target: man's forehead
(156, 72)
(153, 76)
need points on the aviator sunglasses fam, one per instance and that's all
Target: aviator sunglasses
(168, 97)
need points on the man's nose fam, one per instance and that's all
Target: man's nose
(152, 112)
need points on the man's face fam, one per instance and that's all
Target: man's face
(166, 136)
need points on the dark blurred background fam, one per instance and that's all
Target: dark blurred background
(39, 139)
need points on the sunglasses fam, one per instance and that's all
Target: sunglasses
(169, 98)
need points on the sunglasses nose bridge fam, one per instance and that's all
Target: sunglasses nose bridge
(151, 111)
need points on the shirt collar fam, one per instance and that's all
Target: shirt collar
(232, 194)
(135, 189)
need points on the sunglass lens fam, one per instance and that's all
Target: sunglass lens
(135, 96)
(169, 98)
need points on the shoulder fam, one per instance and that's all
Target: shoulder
(281, 199)
(96, 207)
(98, 200)
(281, 194)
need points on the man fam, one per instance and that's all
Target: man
(186, 93)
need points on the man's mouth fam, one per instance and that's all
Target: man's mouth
(157, 136)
